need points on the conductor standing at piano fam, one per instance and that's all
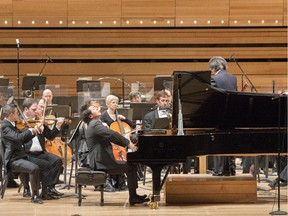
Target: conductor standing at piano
(223, 165)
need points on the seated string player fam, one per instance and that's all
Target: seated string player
(15, 158)
(50, 164)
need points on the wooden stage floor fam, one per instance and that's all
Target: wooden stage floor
(116, 204)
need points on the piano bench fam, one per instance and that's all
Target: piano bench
(90, 177)
(203, 188)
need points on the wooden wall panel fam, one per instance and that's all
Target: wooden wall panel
(148, 8)
(94, 13)
(258, 12)
(33, 13)
(141, 54)
(285, 12)
(202, 13)
(6, 13)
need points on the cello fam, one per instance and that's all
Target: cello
(124, 129)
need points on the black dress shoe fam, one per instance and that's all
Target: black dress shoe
(36, 199)
(138, 200)
(55, 192)
(107, 188)
(26, 192)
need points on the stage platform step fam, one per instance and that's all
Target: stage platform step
(205, 188)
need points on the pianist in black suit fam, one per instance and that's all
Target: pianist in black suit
(99, 138)
(223, 165)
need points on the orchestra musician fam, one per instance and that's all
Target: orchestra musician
(47, 95)
(99, 138)
(135, 97)
(160, 111)
(50, 164)
(223, 165)
(15, 158)
(110, 116)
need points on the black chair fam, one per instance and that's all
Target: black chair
(84, 177)
(4, 177)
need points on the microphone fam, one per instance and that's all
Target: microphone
(49, 59)
(232, 57)
(17, 43)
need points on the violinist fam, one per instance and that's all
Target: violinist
(15, 158)
(99, 138)
(110, 116)
(50, 164)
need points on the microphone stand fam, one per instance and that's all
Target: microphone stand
(279, 212)
(18, 71)
(244, 74)
(123, 102)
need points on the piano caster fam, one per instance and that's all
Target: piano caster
(153, 204)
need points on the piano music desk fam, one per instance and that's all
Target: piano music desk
(203, 188)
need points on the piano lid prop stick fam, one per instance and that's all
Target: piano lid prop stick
(180, 118)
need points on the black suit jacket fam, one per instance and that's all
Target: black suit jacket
(12, 141)
(98, 139)
(224, 80)
(149, 120)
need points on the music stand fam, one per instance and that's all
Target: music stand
(128, 113)
(33, 82)
(72, 101)
(161, 123)
(59, 110)
(91, 85)
(141, 109)
(4, 81)
(162, 82)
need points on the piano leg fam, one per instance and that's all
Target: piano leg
(157, 185)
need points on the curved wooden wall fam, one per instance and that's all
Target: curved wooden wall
(173, 35)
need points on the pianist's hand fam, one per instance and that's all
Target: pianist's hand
(132, 147)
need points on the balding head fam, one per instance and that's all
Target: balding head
(47, 96)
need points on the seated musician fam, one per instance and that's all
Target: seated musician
(50, 164)
(99, 138)
(47, 95)
(161, 110)
(135, 97)
(15, 158)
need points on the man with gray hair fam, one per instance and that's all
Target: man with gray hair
(223, 165)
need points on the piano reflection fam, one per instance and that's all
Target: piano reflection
(216, 122)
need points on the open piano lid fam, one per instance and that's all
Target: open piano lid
(204, 106)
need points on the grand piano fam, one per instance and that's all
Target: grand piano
(215, 122)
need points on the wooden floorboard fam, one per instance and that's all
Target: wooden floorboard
(116, 203)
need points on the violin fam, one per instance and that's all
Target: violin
(21, 124)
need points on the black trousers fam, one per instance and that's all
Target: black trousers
(224, 164)
(26, 166)
(54, 166)
(131, 172)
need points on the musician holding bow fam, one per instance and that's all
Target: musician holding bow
(50, 164)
